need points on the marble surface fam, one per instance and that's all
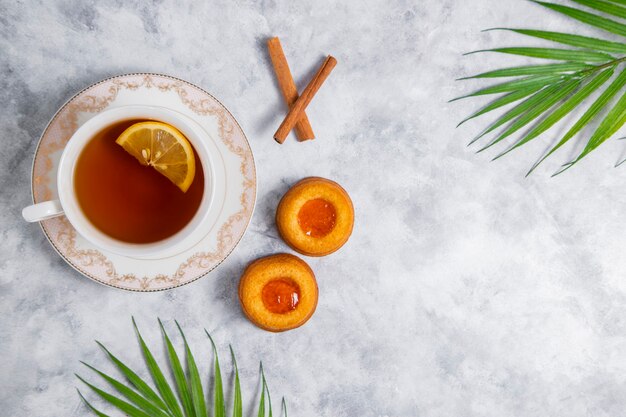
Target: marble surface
(465, 290)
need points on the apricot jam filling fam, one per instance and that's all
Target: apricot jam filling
(317, 217)
(281, 295)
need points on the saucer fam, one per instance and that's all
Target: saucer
(236, 169)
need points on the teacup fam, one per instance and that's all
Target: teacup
(68, 204)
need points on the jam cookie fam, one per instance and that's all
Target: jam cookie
(315, 217)
(278, 292)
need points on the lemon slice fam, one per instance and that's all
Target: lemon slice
(162, 147)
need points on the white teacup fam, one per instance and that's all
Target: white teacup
(68, 205)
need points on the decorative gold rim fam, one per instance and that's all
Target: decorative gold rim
(200, 263)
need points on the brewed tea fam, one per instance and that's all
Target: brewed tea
(129, 201)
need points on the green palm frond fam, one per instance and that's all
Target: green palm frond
(545, 93)
(134, 397)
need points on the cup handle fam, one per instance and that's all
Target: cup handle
(42, 211)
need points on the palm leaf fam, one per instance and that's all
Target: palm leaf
(182, 387)
(589, 18)
(605, 7)
(528, 82)
(611, 124)
(520, 109)
(135, 398)
(261, 412)
(157, 376)
(552, 53)
(134, 379)
(122, 405)
(588, 116)
(536, 111)
(91, 407)
(218, 390)
(269, 398)
(138, 399)
(503, 101)
(563, 110)
(549, 92)
(572, 40)
(547, 69)
(195, 382)
(237, 401)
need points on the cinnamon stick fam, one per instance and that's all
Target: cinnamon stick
(288, 87)
(307, 95)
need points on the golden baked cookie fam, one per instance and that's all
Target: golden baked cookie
(315, 217)
(278, 292)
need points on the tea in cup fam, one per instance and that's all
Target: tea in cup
(129, 189)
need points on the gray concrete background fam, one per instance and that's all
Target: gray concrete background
(466, 289)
